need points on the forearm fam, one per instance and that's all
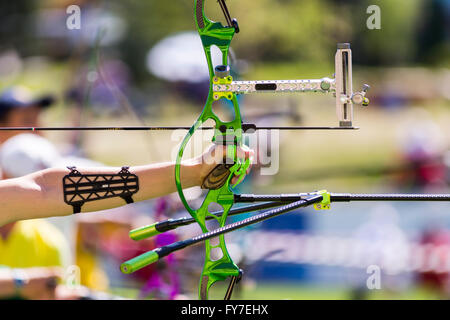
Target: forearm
(41, 194)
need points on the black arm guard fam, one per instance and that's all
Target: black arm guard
(80, 188)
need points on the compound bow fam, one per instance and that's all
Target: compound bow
(220, 266)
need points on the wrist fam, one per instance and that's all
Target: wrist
(192, 173)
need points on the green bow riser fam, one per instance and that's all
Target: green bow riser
(214, 34)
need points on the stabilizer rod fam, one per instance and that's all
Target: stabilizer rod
(271, 201)
(150, 257)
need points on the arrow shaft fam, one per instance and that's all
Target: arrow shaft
(157, 128)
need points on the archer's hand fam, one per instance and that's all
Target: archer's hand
(41, 283)
(215, 156)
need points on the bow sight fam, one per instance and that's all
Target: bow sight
(341, 86)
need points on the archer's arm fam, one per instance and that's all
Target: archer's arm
(40, 194)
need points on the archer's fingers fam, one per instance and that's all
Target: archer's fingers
(244, 152)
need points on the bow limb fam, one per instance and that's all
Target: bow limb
(218, 265)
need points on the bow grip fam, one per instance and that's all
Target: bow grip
(217, 177)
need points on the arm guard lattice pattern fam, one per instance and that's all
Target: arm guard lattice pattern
(80, 188)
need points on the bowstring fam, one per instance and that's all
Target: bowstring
(225, 11)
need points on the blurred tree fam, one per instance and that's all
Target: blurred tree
(272, 31)
(149, 22)
(433, 36)
(394, 43)
(282, 30)
(15, 20)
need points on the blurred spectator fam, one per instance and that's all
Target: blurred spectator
(43, 249)
(94, 233)
(26, 153)
(18, 108)
(164, 282)
(34, 246)
(422, 147)
(42, 245)
(437, 282)
(103, 243)
(385, 246)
